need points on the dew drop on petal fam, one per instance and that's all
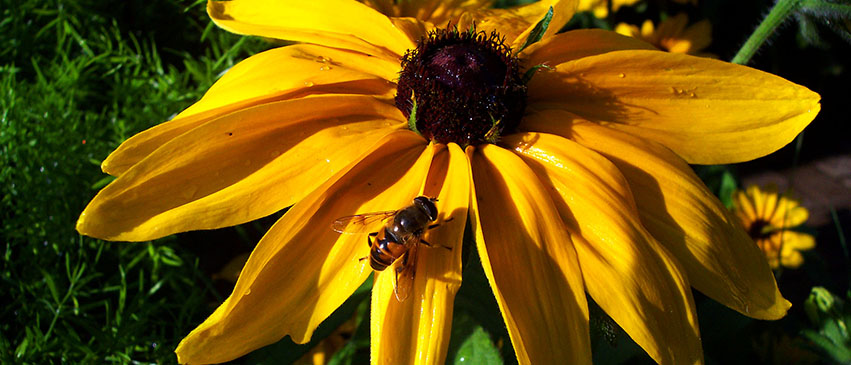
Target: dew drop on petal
(308, 83)
(621, 75)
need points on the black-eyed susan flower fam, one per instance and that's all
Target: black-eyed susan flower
(600, 8)
(769, 218)
(673, 34)
(574, 181)
(322, 353)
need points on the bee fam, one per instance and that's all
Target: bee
(397, 241)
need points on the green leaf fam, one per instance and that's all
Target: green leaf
(532, 71)
(840, 354)
(51, 286)
(477, 348)
(728, 186)
(103, 182)
(412, 119)
(538, 32)
(476, 308)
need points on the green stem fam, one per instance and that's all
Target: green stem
(778, 14)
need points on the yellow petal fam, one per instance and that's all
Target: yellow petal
(648, 31)
(563, 11)
(627, 272)
(237, 168)
(672, 27)
(278, 74)
(699, 34)
(529, 260)
(682, 214)
(302, 270)
(792, 260)
(628, 30)
(793, 214)
(342, 24)
(516, 23)
(745, 209)
(600, 7)
(797, 241)
(414, 29)
(707, 111)
(416, 331)
(766, 204)
(577, 44)
(790, 244)
(432, 11)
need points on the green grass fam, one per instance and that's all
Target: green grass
(77, 79)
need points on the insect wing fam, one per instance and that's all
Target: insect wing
(361, 223)
(406, 269)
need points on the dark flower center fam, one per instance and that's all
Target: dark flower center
(757, 229)
(462, 86)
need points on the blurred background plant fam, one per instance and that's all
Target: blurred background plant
(830, 316)
(79, 77)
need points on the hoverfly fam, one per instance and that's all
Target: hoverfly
(397, 240)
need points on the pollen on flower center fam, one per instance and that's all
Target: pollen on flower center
(461, 86)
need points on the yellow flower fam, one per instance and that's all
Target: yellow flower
(673, 35)
(600, 8)
(769, 217)
(575, 182)
(325, 349)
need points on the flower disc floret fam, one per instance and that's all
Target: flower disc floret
(758, 229)
(461, 86)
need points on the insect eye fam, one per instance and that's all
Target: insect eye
(427, 205)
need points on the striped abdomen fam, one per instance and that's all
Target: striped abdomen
(385, 250)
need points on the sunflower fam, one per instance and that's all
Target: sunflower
(567, 153)
(769, 218)
(673, 35)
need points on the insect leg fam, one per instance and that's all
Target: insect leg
(438, 224)
(429, 244)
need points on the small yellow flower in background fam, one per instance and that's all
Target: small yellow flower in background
(325, 349)
(600, 8)
(673, 35)
(576, 181)
(769, 218)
